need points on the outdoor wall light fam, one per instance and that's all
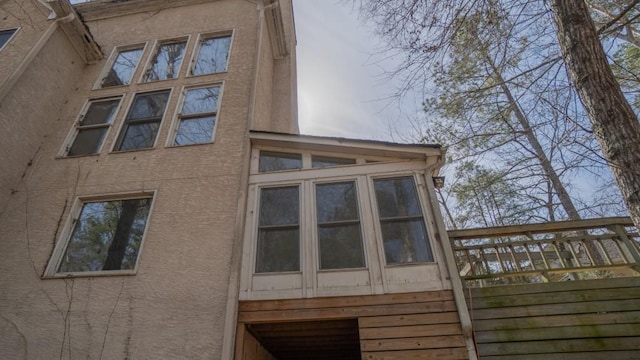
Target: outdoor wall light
(438, 182)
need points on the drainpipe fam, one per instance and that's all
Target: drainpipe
(454, 277)
(24, 64)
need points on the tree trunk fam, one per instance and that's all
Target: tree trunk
(122, 235)
(614, 123)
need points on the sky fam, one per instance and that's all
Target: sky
(342, 90)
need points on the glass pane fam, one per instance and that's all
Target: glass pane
(107, 236)
(336, 202)
(278, 250)
(139, 136)
(279, 206)
(397, 197)
(405, 242)
(195, 130)
(166, 64)
(213, 55)
(340, 247)
(323, 161)
(5, 35)
(123, 68)
(100, 112)
(88, 141)
(273, 161)
(149, 105)
(203, 100)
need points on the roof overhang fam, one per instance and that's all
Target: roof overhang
(75, 30)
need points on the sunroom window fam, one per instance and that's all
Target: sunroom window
(277, 161)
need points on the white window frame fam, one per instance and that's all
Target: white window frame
(15, 31)
(111, 60)
(154, 51)
(123, 120)
(73, 133)
(63, 240)
(177, 114)
(196, 50)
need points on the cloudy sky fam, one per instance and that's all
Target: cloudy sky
(341, 87)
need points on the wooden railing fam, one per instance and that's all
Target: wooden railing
(554, 251)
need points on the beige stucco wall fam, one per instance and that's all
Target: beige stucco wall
(174, 307)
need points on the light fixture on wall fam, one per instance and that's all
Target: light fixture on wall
(438, 182)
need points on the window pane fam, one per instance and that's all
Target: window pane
(340, 247)
(278, 250)
(279, 206)
(203, 100)
(166, 63)
(195, 130)
(336, 202)
(5, 35)
(273, 161)
(213, 55)
(139, 136)
(150, 105)
(123, 68)
(88, 141)
(405, 242)
(107, 236)
(100, 112)
(323, 161)
(397, 197)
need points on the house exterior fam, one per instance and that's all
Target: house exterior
(157, 201)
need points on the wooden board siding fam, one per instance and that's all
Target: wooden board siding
(421, 325)
(591, 319)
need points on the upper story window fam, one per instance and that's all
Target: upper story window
(326, 161)
(106, 236)
(92, 126)
(276, 161)
(123, 67)
(166, 61)
(141, 126)
(197, 118)
(5, 36)
(212, 55)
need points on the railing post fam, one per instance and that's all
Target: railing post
(631, 247)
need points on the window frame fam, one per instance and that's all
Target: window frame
(124, 124)
(63, 240)
(149, 61)
(75, 129)
(177, 114)
(196, 51)
(113, 56)
(15, 31)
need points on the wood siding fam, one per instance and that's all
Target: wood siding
(591, 319)
(421, 325)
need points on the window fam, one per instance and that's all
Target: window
(166, 62)
(212, 55)
(122, 68)
(5, 36)
(403, 230)
(92, 126)
(106, 236)
(339, 237)
(197, 119)
(143, 121)
(279, 230)
(275, 161)
(325, 161)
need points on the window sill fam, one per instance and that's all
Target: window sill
(188, 145)
(411, 264)
(77, 156)
(278, 273)
(90, 274)
(207, 74)
(324, 271)
(130, 151)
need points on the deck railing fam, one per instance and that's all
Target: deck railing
(554, 251)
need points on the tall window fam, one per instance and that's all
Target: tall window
(212, 55)
(5, 36)
(339, 237)
(92, 126)
(197, 119)
(166, 62)
(279, 230)
(143, 121)
(122, 68)
(403, 230)
(107, 236)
